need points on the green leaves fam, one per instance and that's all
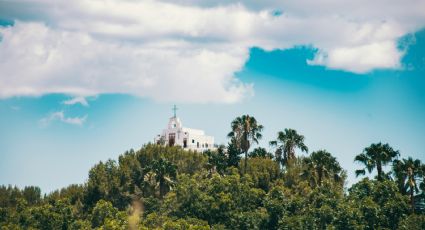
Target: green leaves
(380, 203)
(217, 160)
(219, 200)
(407, 172)
(286, 143)
(164, 172)
(104, 214)
(320, 166)
(177, 189)
(245, 131)
(376, 156)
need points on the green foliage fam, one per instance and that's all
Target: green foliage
(10, 196)
(217, 160)
(286, 143)
(376, 156)
(413, 222)
(407, 172)
(160, 187)
(164, 172)
(80, 225)
(107, 216)
(186, 161)
(233, 154)
(260, 153)
(245, 132)
(73, 193)
(58, 215)
(218, 200)
(322, 166)
(263, 172)
(155, 221)
(380, 203)
(32, 194)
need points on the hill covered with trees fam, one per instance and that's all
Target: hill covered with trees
(234, 187)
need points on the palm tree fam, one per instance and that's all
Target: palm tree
(406, 172)
(261, 153)
(321, 164)
(245, 131)
(286, 143)
(163, 171)
(376, 156)
(422, 188)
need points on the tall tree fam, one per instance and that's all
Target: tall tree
(322, 165)
(261, 153)
(407, 172)
(32, 194)
(286, 143)
(245, 131)
(217, 160)
(233, 154)
(164, 173)
(422, 184)
(376, 156)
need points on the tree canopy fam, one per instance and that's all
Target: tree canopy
(161, 187)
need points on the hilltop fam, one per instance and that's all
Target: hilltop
(232, 187)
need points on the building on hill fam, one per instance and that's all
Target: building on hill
(190, 139)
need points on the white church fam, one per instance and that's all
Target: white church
(190, 139)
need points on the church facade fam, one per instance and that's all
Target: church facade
(190, 139)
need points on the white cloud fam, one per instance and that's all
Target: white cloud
(76, 100)
(187, 50)
(60, 116)
(36, 60)
(360, 59)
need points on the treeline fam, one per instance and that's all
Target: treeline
(233, 187)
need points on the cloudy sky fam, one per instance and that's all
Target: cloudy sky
(85, 80)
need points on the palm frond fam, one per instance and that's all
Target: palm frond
(360, 172)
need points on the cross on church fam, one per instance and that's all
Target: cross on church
(175, 109)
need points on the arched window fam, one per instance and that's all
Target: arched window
(171, 139)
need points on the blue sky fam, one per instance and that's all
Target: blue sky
(71, 95)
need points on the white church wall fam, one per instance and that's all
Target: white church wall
(190, 139)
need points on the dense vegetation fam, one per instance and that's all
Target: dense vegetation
(160, 187)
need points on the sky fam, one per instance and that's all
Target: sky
(84, 81)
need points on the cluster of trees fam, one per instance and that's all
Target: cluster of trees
(233, 187)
